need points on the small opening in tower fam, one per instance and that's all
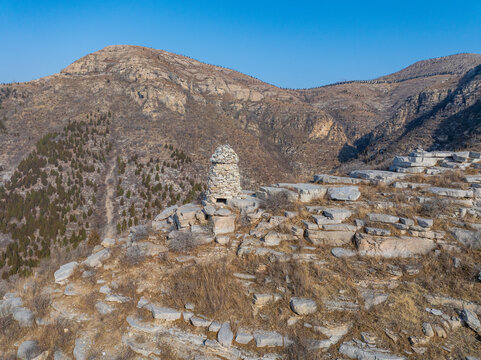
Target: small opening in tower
(223, 201)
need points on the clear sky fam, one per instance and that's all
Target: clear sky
(286, 43)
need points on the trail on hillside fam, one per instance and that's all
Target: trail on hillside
(109, 195)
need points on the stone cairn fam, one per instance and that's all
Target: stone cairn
(224, 177)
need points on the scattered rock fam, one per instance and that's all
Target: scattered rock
(225, 335)
(64, 272)
(345, 193)
(268, 339)
(303, 306)
(28, 350)
(96, 259)
(243, 337)
(471, 319)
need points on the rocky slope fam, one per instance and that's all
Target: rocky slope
(375, 265)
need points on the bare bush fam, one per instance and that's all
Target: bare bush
(435, 207)
(60, 334)
(277, 202)
(182, 242)
(40, 304)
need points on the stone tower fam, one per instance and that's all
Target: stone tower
(224, 177)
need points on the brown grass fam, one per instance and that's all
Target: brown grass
(59, 335)
(212, 289)
(278, 203)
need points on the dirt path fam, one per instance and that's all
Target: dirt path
(109, 196)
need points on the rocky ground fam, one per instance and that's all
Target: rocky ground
(377, 264)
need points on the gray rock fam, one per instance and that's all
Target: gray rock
(274, 238)
(108, 242)
(28, 350)
(373, 298)
(384, 218)
(223, 224)
(96, 259)
(163, 313)
(428, 329)
(339, 227)
(345, 193)
(81, 349)
(337, 213)
(332, 179)
(393, 246)
(225, 335)
(103, 308)
(268, 339)
(471, 239)
(64, 272)
(117, 298)
(214, 326)
(363, 352)
(263, 299)
(331, 238)
(377, 231)
(223, 212)
(243, 337)
(24, 316)
(414, 161)
(306, 192)
(266, 192)
(406, 221)
(59, 355)
(320, 220)
(302, 306)
(471, 319)
(200, 322)
(341, 252)
(425, 223)
(377, 175)
(168, 212)
(456, 193)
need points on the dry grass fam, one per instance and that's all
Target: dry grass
(59, 335)
(212, 289)
(446, 179)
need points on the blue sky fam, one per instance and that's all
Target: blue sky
(294, 44)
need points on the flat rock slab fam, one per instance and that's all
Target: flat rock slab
(378, 175)
(268, 339)
(243, 337)
(303, 306)
(64, 272)
(414, 161)
(163, 313)
(377, 231)
(166, 213)
(393, 246)
(266, 192)
(331, 238)
(358, 351)
(384, 218)
(200, 322)
(306, 192)
(471, 239)
(344, 193)
(337, 213)
(223, 224)
(96, 259)
(455, 193)
(341, 252)
(332, 179)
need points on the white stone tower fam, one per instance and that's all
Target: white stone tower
(224, 176)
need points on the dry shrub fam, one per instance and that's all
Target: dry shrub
(132, 257)
(61, 334)
(278, 202)
(211, 288)
(435, 207)
(184, 241)
(93, 239)
(10, 331)
(299, 349)
(40, 305)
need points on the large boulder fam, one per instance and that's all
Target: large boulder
(187, 215)
(471, 239)
(306, 192)
(95, 260)
(223, 224)
(393, 246)
(64, 272)
(344, 193)
(378, 175)
(331, 238)
(303, 306)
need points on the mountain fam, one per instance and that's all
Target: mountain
(127, 131)
(278, 133)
